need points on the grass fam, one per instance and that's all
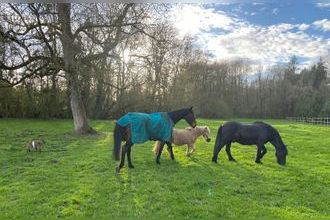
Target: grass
(75, 176)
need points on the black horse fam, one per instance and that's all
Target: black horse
(124, 133)
(258, 133)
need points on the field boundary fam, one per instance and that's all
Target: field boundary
(311, 120)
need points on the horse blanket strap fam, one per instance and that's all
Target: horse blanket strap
(144, 127)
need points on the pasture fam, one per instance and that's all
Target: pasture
(75, 176)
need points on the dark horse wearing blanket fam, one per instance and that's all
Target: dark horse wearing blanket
(258, 133)
(140, 127)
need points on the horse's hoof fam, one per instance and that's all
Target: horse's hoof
(214, 161)
(157, 162)
(117, 169)
(232, 160)
(130, 166)
(259, 162)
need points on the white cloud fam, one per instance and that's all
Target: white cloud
(324, 24)
(275, 11)
(303, 27)
(192, 19)
(237, 9)
(323, 5)
(266, 45)
(257, 3)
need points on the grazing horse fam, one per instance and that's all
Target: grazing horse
(187, 136)
(136, 128)
(258, 133)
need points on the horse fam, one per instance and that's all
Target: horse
(137, 127)
(187, 136)
(258, 133)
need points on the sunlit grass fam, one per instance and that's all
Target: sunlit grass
(74, 176)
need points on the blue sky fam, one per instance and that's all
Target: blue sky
(265, 32)
(279, 12)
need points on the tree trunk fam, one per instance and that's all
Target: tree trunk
(81, 125)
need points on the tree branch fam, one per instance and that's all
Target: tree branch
(110, 45)
(42, 34)
(89, 26)
(32, 73)
(29, 61)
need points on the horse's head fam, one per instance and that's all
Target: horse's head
(206, 134)
(281, 152)
(186, 113)
(190, 117)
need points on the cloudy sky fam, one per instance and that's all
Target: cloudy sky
(266, 32)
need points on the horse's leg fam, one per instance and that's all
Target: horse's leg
(122, 161)
(216, 151)
(160, 152)
(264, 151)
(168, 150)
(192, 147)
(188, 150)
(169, 146)
(129, 147)
(230, 157)
(259, 148)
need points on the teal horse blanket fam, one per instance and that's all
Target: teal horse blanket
(144, 127)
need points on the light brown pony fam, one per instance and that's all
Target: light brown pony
(187, 136)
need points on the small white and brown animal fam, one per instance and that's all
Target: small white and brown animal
(35, 145)
(187, 136)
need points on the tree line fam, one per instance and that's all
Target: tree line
(103, 60)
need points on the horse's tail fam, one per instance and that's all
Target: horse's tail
(156, 147)
(117, 137)
(218, 138)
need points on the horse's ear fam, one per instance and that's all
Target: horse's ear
(191, 107)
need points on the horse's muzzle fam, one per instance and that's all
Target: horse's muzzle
(281, 162)
(208, 139)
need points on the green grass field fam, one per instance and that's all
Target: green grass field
(75, 176)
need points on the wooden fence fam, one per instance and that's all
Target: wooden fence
(311, 120)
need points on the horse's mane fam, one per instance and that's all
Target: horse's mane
(199, 127)
(273, 131)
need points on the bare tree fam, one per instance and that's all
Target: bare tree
(56, 39)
